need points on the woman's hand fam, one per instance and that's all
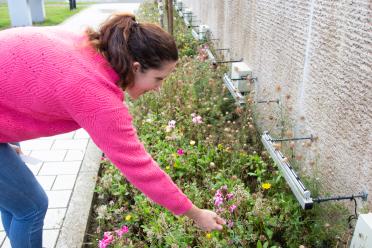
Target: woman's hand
(205, 219)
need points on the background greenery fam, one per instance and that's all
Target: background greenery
(56, 12)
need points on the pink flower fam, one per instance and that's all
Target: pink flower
(197, 119)
(193, 115)
(232, 208)
(218, 201)
(107, 239)
(229, 196)
(218, 193)
(230, 223)
(124, 229)
(180, 152)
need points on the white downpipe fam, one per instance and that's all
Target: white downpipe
(19, 12)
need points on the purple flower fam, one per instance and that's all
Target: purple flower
(232, 208)
(218, 201)
(230, 223)
(218, 193)
(229, 196)
(180, 152)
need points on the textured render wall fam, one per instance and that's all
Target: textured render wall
(314, 55)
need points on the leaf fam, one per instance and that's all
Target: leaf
(269, 233)
(259, 244)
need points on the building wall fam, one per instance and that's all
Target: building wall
(315, 56)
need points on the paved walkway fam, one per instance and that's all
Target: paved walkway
(70, 162)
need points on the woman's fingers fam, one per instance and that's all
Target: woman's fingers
(220, 220)
(218, 227)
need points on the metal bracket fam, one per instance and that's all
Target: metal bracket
(295, 139)
(362, 195)
(302, 194)
(269, 101)
(229, 61)
(239, 98)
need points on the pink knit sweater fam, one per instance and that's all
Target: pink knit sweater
(52, 82)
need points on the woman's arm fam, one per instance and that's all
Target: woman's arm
(103, 115)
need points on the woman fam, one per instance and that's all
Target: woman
(53, 81)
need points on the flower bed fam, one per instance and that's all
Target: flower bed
(209, 147)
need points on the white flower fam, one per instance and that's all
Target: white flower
(172, 124)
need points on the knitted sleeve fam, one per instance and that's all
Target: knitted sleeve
(97, 109)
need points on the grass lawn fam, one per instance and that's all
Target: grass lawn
(55, 13)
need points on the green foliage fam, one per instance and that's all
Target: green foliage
(55, 13)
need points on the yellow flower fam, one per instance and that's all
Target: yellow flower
(208, 235)
(167, 167)
(175, 165)
(266, 185)
(128, 217)
(192, 142)
(220, 146)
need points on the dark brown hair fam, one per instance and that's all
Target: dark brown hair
(122, 40)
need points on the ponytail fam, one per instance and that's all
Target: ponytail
(122, 40)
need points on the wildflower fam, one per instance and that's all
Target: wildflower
(128, 217)
(172, 123)
(167, 167)
(102, 212)
(107, 240)
(180, 152)
(218, 198)
(218, 201)
(193, 115)
(277, 146)
(124, 229)
(218, 193)
(197, 119)
(208, 235)
(192, 142)
(229, 196)
(232, 208)
(230, 223)
(266, 186)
